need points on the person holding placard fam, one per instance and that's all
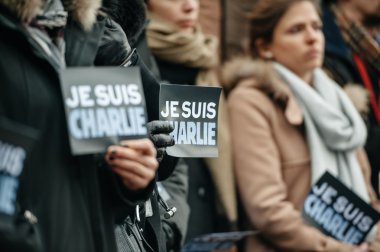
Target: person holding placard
(290, 124)
(73, 198)
(185, 55)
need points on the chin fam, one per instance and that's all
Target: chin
(188, 29)
(314, 64)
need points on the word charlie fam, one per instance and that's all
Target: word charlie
(191, 126)
(337, 214)
(11, 165)
(105, 110)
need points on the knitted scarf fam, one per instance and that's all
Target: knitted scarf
(360, 41)
(196, 49)
(334, 128)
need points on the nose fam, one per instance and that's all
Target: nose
(190, 5)
(311, 35)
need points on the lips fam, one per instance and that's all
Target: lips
(186, 23)
(314, 53)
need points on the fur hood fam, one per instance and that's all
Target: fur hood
(83, 11)
(25, 10)
(257, 73)
(261, 75)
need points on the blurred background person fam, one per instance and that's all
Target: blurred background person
(228, 20)
(185, 55)
(130, 18)
(352, 31)
(290, 123)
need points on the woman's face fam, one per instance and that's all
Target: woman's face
(183, 13)
(298, 41)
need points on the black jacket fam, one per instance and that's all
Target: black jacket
(74, 199)
(340, 63)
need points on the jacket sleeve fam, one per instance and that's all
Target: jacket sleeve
(259, 177)
(174, 191)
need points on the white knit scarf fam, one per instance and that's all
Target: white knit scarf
(334, 129)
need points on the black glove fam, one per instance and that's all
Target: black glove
(114, 48)
(159, 134)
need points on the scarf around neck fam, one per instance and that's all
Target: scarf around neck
(334, 129)
(194, 50)
(360, 41)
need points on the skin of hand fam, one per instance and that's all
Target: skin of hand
(361, 248)
(134, 161)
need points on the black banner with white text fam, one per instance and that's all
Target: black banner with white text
(338, 212)
(193, 111)
(16, 141)
(103, 106)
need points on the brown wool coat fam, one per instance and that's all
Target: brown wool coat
(272, 162)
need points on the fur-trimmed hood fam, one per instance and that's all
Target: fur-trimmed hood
(261, 75)
(25, 10)
(83, 11)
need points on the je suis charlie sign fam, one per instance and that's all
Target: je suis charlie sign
(193, 111)
(338, 212)
(16, 141)
(103, 106)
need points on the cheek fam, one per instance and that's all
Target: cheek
(165, 11)
(286, 51)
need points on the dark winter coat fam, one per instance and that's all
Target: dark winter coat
(114, 50)
(340, 64)
(74, 199)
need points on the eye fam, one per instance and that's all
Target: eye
(318, 26)
(295, 29)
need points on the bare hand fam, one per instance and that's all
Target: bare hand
(362, 248)
(134, 161)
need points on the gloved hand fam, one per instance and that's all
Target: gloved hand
(159, 134)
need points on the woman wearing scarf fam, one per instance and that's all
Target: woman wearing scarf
(352, 30)
(185, 55)
(290, 123)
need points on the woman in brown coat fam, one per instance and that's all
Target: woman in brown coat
(291, 123)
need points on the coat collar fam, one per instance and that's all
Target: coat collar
(83, 11)
(261, 75)
(23, 10)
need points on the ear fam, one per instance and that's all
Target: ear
(263, 49)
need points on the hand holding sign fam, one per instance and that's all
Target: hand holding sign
(134, 161)
(362, 248)
(159, 134)
(338, 212)
(193, 112)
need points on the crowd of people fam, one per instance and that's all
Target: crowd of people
(301, 83)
